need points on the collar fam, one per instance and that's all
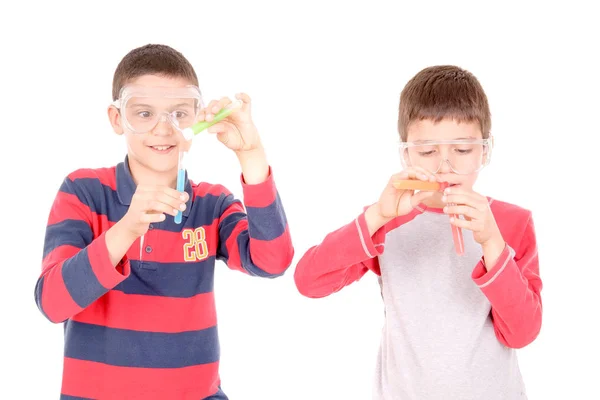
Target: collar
(126, 186)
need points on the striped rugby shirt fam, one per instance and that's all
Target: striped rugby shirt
(148, 329)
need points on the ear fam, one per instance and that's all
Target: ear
(115, 120)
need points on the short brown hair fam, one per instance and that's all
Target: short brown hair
(444, 91)
(152, 59)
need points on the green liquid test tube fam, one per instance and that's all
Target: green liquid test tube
(189, 133)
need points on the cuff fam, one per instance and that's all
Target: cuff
(482, 277)
(108, 275)
(261, 194)
(372, 245)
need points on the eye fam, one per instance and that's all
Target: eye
(426, 153)
(180, 114)
(463, 151)
(144, 114)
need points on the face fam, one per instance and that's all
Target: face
(153, 148)
(445, 157)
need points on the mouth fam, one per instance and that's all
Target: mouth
(162, 149)
(451, 179)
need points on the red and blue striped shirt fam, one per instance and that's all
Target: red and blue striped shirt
(148, 329)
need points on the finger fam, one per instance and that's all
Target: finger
(224, 102)
(459, 189)
(468, 199)
(164, 208)
(473, 225)
(219, 127)
(461, 199)
(419, 197)
(208, 113)
(430, 175)
(461, 223)
(201, 116)
(175, 194)
(211, 104)
(414, 173)
(468, 212)
(399, 175)
(175, 198)
(166, 203)
(150, 192)
(149, 218)
(243, 97)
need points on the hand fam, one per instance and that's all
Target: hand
(396, 202)
(150, 204)
(237, 132)
(476, 210)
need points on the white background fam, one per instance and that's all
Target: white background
(325, 78)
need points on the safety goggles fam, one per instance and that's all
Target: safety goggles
(463, 156)
(143, 108)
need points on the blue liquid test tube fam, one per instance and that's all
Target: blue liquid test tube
(180, 182)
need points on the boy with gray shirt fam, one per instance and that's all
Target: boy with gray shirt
(452, 322)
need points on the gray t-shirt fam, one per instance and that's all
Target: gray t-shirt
(438, 340)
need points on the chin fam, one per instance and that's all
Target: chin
(161, 167)
(157, 165)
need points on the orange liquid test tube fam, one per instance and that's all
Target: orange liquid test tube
(459, 244)
(413, 184)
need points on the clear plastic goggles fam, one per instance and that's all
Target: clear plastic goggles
(463, 156)
(143, 108)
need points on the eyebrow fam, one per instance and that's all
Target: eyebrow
(140, 105)
(183, 105)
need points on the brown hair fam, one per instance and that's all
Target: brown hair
(152, 59)
(444, 91)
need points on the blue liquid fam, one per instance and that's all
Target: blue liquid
(180, 187)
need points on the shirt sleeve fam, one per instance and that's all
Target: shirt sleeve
(513, 286)
(76, 267)
(343, 257)
(257, 240)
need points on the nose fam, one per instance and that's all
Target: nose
(163, 126)
(445, 167)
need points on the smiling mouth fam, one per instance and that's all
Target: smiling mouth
(162, 149)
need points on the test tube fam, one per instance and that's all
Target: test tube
(459, 243)
(414, 184)
(189, 133)
(180, 180)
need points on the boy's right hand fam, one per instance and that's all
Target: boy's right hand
(149, 204)
(397, 202)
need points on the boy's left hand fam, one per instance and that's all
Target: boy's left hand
(237, 131)
(476, 210)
